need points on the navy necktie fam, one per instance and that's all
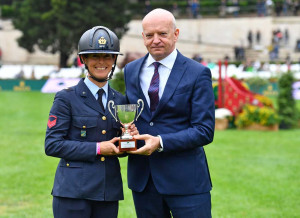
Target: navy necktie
(100, 93)
(154, 88)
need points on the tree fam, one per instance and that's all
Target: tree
(118, 83)
(57, 25)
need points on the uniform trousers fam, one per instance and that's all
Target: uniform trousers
(81, 208)
(151, 204)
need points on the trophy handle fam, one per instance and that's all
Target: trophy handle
(111, 102)
(140, 102)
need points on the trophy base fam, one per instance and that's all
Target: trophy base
(127, 144)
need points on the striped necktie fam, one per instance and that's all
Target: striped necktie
(154, 88)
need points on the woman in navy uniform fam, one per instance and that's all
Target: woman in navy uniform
(82, 133)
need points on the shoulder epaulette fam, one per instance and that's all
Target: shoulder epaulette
(68, 89)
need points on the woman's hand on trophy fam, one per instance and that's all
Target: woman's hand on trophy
(109, 148)
(152, 143)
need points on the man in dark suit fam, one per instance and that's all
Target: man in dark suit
(168, 174)
(82, 132)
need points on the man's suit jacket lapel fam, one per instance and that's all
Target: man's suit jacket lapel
(146, 114)
(176, 74)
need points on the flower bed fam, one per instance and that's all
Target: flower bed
(259, 118)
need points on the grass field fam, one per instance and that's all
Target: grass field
(254, 174)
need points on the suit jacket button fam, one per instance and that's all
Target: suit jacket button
(68, 164)
(151, 124)
(104, 118)
(103, 132)
(102, 158)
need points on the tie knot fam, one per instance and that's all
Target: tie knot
(100, 92)
(156, 65)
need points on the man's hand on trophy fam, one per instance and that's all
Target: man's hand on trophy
(152, 143)
(132, 130)
(109, 148)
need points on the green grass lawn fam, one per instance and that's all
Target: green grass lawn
(254, 174)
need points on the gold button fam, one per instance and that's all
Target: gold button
(83, 127)
(104, 118)
(102, 158)
(68, 164)
(103, 132)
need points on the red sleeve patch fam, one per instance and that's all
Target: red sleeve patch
(51, 121)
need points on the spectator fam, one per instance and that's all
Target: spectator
(75, 63)
(248, 65)
(239, 53)
(21, 74)
(288, 59)
(147, 6)
(188, 8)
(296, 7)
(261, 8)
(223, 8)
(258, 37)
(279, 35)
(276, 51)
(199, 58)
(226, 58)
(175, 10)
(286, 36)
(269, 5)
(286, 7)
(271, 52)
(235, 3)
(250, 38)
(195, 8)
(257, 65)
(264, 8)
(297, 49)
(236, 52)
(278, 8)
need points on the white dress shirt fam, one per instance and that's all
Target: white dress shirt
(164, 71)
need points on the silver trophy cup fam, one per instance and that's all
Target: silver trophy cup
(126, 114)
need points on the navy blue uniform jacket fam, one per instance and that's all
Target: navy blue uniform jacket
(185, 121)
(77, 122)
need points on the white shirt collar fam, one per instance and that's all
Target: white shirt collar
(167, 61)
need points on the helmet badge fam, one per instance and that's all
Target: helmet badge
(102, 41)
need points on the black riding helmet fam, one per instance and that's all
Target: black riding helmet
(99, 39)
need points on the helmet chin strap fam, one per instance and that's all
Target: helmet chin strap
(98, 80)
